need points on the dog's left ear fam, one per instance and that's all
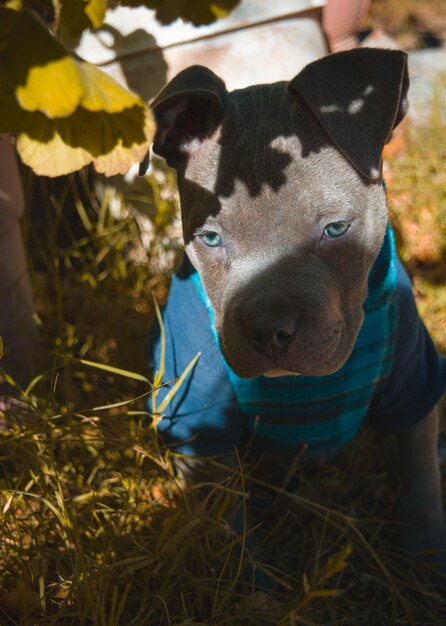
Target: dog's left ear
(359, 97)
(187, 110)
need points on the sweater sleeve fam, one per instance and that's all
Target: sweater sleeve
(203, 417)
(418, 376)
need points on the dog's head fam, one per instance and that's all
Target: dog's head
(282, 202)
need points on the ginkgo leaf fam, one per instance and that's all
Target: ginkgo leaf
(95, 11)
(45, 77)
(66, 112)
(121, 158)
(102, 93)
(53, 100)
(17, 5)
(51, 158)
(77, 15)
(112, 142)
(88, 87)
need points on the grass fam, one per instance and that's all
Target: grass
(96, 527)
(417, 202)
(406, 22)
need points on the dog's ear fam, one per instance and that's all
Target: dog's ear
(187, 110)
(359, 97)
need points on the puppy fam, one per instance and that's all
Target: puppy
(291, 288)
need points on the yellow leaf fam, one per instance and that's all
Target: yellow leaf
(102, 93)
(112, 142)
(25, 43)
(122, 157)
(14, 4)
(45, 77)
(88, 87)
(66, 112)
(52, 158)
(116, 370)
(54, 100)
(171, 393)
(78, 15)
(219, 11)
(95, 11)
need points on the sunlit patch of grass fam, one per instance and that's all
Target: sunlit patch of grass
(92, 530)
(407, 21)
(417, 201)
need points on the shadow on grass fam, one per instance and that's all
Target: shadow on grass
(97, 529)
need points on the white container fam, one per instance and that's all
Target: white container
(259, 42)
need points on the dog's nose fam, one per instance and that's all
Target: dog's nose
(270, 336)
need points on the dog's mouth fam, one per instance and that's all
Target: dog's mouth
(276, 373)
(316, 354)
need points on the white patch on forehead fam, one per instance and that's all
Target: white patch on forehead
(285, 144)
(241, 199)
(192, 145)
(334, 196)
(248, 266)
(203, 166)
(312, 190)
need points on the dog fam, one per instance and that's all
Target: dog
(291, 289)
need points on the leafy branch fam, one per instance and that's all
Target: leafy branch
(67, 113)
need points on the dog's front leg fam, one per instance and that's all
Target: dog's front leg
(419, 504)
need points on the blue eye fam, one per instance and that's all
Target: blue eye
(211, 239)
(336, 229)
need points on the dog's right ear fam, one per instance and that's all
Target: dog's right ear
(187, 110)
(358, 96)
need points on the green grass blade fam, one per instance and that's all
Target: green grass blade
(32, 384)
(178, 384)
(115, 370)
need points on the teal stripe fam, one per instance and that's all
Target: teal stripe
(317, 389)
(309, 383)
(306, 408)
(340, 429)
(300, 418)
